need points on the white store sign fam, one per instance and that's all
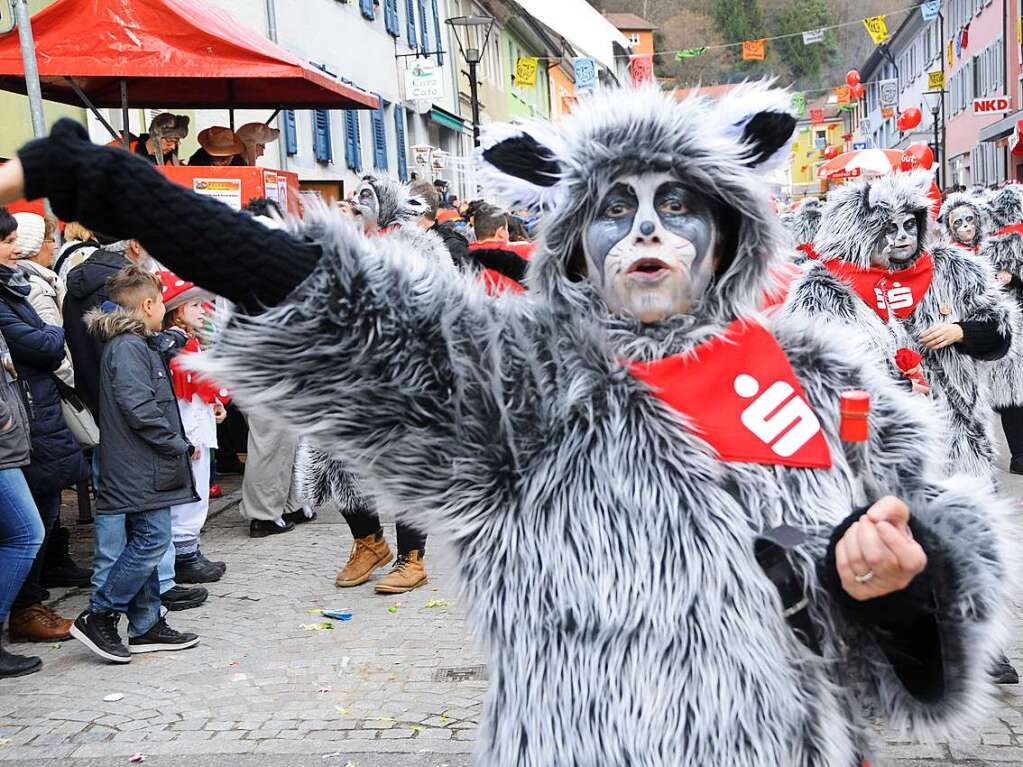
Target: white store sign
(991, 106)
(423, 81)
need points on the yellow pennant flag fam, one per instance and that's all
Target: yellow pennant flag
(936, 80)
(525, 72)
(950, 54)
(877, 28)
(754, 50)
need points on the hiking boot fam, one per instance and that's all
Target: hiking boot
(98, 632)
(195, 570)
(261, 528)
(408, 574)
(300, 516)
(59, 570)
(1002, 672)
(181, 598)
(12, 665)
(222, 566)
(162, 637)
(38, 623)
(367, 555)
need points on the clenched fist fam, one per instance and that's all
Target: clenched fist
(877, 556)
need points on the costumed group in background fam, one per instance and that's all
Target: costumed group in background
(612, 451)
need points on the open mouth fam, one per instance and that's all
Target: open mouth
(648, 268)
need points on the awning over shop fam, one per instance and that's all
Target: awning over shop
(1002, 128)
(447, 119)
(170, 54)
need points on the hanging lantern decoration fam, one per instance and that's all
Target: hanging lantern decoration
(856, 91)
(909, 119)
(831, 152)
(852, 77)
(917, 156)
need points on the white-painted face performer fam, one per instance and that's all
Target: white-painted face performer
(608, 451)
(963, 218)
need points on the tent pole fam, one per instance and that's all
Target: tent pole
(28, 57)
(125, 123)
(270, 119)
(230, 102)
(92, 107)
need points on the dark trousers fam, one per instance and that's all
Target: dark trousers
(1012, 425)
(32, 591)
(367, 522)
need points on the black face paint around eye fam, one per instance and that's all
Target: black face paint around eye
(681, 214)
(612, 225)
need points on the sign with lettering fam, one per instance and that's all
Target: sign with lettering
(991, 106)
(936, 80)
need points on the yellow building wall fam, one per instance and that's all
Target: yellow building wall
(805, 153)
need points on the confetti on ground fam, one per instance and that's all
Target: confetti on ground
(4, 741)
(392, 609)
(338, 615)
(56, 645)
(438, 603)
(114, 697)
(315, 611)
(342, 711)
(443, 718)
(324, 626)
(415, 728)
(137, 759)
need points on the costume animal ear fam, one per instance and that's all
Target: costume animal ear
(760, 118)
(519, 164)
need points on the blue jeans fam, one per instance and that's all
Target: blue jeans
(21, 536)
(132, 585)
(32, 591)
(110, 540)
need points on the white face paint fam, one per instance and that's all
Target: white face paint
(899, 243)
(366, 206)
(650, 249)
(963, 225)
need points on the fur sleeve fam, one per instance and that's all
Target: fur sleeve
(984, 300)
(1004, 252)
(400, 365)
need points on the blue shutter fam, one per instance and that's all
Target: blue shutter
(379, 137)
(399, 133)
(424, 31)
(321, 135)
(391, 18)
(366, 6)
(436, 34)
(353, 147)
(410, 22)
(290, 132)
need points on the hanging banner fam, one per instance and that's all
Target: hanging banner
(642, 68)
(964, 37)
(948, 56)
(689, 53)
(817, 116)
(876, 28)
(799, 104)
(936, 80)
(813, 36)
(585, 74)
(888, 93)
(930, 9)
(423, 81)
(844, 94)
(525, 72)
(754, 50)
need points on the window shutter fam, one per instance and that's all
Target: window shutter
(436, 34)
(353, 146)
(366, 6)
(424, 31)
(321, 135)
(391, 18)
(290, 132)
(399, 140)
(379, 137)
(410, 22)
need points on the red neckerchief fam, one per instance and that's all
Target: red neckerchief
(1010, 229)
(188, 383)
(738, 393)
(880, 289)
(521, 249)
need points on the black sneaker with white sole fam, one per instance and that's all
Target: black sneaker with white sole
(98, 632)
(162, 637)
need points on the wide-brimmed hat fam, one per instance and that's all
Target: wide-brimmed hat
(257, 133)
(219, 141)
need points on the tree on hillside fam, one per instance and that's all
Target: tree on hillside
(692, 29)
(802, 63)
(740, 20)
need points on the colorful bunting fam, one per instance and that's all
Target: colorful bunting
(948, 56)
(843, 93)
(877, 28)
(689, 53)
(754, 50)
(799, 104)
(642, 68)
(888, 93)
(525, 72)
(584, 72)
(964, 37)
(817, 116)
(813, 36)
(930, 9)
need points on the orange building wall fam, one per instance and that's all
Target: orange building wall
(646, 41)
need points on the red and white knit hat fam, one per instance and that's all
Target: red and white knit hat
(177, 291)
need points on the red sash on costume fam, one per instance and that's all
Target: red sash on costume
(881, 289)
(188, 383)
(1010, 229)
(740, 395)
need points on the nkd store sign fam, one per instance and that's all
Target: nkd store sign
(991, 106)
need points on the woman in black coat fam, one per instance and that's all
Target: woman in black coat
(37, 350)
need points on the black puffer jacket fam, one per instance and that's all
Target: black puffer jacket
(37, 350)
(87, 289)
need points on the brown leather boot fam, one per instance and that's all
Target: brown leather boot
(38, 623)
(408, 574)
(367, 555)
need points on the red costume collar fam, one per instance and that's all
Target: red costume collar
(1010, 229)
(188, 383)
(881, 289)
(739, 394)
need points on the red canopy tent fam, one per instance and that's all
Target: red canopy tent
(167, 54)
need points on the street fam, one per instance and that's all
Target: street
(400, 684)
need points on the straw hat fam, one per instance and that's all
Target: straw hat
(219, 141)
(257, 133)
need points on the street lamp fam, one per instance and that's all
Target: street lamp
(933, 100)
(473, 29)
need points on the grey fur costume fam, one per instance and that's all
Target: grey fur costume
(804, 222)
(854, 221)
(960, 200)
(605, 553)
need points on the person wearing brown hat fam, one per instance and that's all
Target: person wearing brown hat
(255, 137)
(218, 146)
(160, 145)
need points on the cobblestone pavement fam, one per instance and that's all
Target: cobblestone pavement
(394, 688)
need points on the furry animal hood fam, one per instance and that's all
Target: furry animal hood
(805, 221)
(1005, 207)
(717, 148)
(960, 200)
(397, 204)
(855, 216)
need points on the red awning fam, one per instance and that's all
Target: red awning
(173, 54)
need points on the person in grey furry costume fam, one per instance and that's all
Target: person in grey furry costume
(926, 298)
(962, 215)
(604, 523)
(804, 222)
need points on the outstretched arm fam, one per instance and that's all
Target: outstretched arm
(122, 195)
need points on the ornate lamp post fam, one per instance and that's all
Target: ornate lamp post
(472, 33)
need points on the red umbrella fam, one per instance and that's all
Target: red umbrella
(871, 162)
